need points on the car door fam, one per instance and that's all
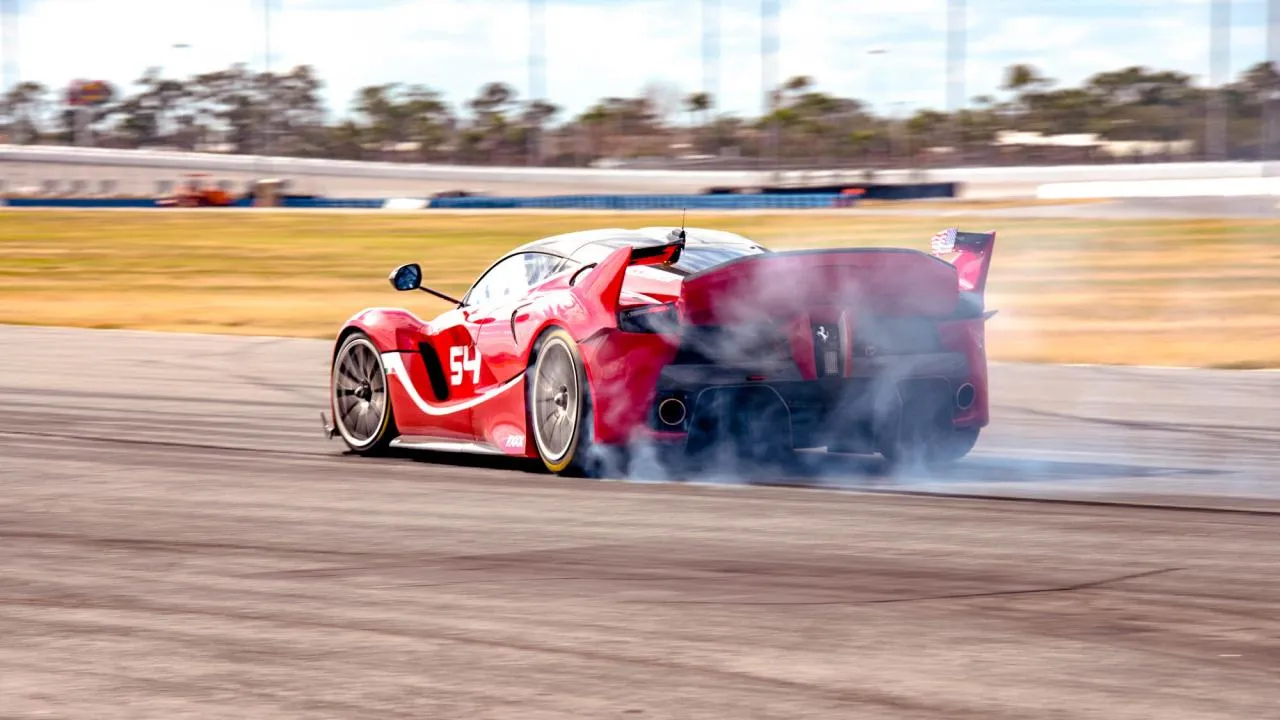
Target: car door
(487, 310)
(440, 394)
(495, 323)
(499, 418)
(451, 369)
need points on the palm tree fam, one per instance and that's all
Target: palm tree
(698, 104)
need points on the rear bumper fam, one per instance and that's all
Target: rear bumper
(936, 391)
(632, 375)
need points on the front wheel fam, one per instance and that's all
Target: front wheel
(358, 391)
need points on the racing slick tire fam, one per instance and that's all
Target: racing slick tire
(947, 448)
(938, 451)
(559, 405)
(362, 413)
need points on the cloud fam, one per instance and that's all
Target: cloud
(596, 48)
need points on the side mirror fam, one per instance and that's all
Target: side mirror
(406, 277)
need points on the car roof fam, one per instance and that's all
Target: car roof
(601, 240)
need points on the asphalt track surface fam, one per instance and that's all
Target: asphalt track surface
(178, 540)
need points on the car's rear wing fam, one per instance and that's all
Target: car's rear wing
(666, 254)
(603, 280)
(970, 253)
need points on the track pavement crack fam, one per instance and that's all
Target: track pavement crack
(176, 444)
(861, 695)
(1092, 584)
(1224, 432)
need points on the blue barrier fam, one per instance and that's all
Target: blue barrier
(642, 202)
(562, 202)
(322, 203)
(92, 203)
(80, 202)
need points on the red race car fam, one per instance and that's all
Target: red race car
(573, 348)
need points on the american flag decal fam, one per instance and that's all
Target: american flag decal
(944, 242)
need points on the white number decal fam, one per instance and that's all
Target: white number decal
(464, 359)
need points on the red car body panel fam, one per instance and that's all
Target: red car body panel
(890, 282)
(461, 376)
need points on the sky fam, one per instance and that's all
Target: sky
(595, 48)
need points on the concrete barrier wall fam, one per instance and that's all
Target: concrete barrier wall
(96, 171)
(141, 172)
(1198, 187)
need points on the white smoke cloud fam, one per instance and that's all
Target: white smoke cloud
(758, 323)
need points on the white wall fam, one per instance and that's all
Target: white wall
(138, 172)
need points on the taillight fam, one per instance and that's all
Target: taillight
(649, 319)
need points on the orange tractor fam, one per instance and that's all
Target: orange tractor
(195, 192)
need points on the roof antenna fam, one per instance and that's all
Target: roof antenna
(678, 237)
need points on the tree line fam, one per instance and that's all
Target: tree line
(238, 110)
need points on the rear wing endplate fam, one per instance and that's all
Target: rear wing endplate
(666, 254)
(972, 252)
(953, 240)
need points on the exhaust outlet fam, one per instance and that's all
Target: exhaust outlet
(965, 396)
(671, 412)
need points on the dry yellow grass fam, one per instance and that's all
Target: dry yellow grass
(1205, 292)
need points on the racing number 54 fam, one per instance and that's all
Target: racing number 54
(464, 359)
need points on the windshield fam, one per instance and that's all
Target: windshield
(697, 258)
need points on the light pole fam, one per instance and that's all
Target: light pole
(9, 41)
(899, 124)
(1219, 64)
(875, 84)
(174, 48)
(269, 100)
(876, 89)
(711, 48)
(537, 62)
(956, 45)
(768, 67)
(178, 46)
(1271, 106)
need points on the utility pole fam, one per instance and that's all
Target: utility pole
(1215, 141)
(537, 70)
(956, 46)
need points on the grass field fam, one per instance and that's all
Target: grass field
(1147, 292)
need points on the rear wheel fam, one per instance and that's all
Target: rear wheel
(560, 410)
(948, 447)
(361, 404)
(937, 450)
(557, 402)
